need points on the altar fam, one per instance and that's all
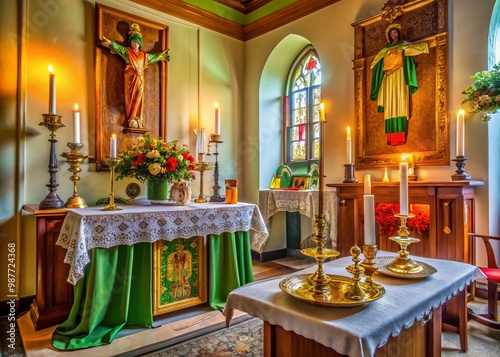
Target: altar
(406, 321)
(117, 280)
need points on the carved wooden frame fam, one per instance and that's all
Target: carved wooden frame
(110, 114)
(428, 133)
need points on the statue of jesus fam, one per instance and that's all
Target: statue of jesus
(136, 63)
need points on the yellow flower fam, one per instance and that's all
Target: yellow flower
(154, 168)
(153, 154)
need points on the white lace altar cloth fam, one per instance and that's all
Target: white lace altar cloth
(355, 331)
(87, 228)
(303, 201)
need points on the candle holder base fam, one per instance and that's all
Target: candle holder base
(52, 200)
(349, 174)
(76, 202)
(460, 173)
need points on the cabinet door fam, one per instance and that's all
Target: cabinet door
(54, 295)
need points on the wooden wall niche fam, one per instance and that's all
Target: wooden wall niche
(428, 130)
(109, 81)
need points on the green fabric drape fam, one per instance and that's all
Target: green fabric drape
(117, 289)
(115, 292)
(230, 265)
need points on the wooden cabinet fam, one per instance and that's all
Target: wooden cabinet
(54, 295)
(451, 207)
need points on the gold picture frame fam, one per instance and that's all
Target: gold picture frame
(110, 116)
(428, 133)
(179, 274)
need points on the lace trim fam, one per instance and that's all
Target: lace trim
(82, 231)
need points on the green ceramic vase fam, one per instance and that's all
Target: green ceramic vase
(157, 191)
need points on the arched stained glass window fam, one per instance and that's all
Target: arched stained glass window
(302, 107)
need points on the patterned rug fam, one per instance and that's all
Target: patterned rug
(242, 339)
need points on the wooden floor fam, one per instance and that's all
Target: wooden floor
(38, 343)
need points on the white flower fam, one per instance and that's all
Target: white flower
(180, 158)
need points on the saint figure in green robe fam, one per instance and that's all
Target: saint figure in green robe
(394, 79)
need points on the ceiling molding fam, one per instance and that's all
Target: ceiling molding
(209, 20)
(188, 12)
(243, 6)
(287, 14)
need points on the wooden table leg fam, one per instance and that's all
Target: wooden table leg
(455, 318)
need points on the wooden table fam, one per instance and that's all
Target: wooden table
(411, 310)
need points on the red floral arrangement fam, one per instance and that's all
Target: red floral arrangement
(384, 217)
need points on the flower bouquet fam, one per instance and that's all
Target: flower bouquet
(483, 96)
(156, 160)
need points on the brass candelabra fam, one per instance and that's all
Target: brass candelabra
(52, 200)
(75, 158)
(403, 263)
(202, 166)
(112, 163)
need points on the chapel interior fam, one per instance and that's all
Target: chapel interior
(240, 55)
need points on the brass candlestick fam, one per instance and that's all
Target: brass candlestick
(75, 159)
(370, 252)
(112, 163)
(356, 292)
(403, 263)
(52, 200)
(319, 280)
(202, 166)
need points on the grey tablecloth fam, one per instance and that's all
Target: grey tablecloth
(354, 331)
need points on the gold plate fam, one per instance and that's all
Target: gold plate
(298, 286)
(382, 264)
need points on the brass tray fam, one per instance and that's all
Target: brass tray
(383, 262)
(298, 286)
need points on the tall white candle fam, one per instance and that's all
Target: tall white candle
(369, 228)
(217, 119)
(76, 125)
(112, 146)
(52, 91)
(460, 133)
(368, 184)
(348, 146)
(403, 188)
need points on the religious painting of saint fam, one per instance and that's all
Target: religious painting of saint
(394, 79)
(401, 86)
(179, 278)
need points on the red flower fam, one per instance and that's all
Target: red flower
(171, 164)
(188, 157)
